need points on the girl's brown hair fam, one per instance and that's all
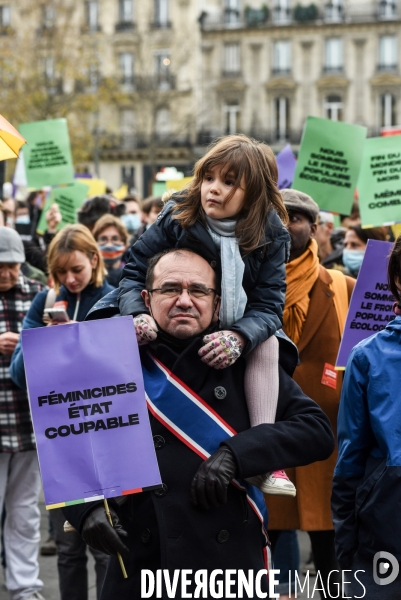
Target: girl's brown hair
(246, 159)
(69, 239)
(394, 270)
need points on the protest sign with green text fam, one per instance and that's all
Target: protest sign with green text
(47, 155)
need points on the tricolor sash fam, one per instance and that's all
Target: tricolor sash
(195, 423)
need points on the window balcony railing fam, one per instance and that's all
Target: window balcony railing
(140, 141)
(293, 136)
(233, 73)
(333, 70)
(161, 24)
(282, 71)
(279, 15)
(387, 68)
(124, 26)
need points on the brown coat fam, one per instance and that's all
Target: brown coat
(310, 509)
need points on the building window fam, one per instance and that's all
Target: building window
(333, 56)
(232, 64)
(333, 108)
(281, 58)
(5, 15)
(48, 16)
(126, 11)
(162, 13)
(282, 118)
(333, 10)
(282, 12)
(387, 110)
(163, 123)
(387, 9)
(92, 15)
(126, 60)
(231, 114)
(48, 68)
(388, 52)
(162, 69)
(127, 128)
(232, 12)
(93, 78)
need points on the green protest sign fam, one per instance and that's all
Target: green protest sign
(69, 199)
(379, 184)
(47, 155)
(328, 163)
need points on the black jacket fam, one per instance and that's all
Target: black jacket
(264, 275)
(165, 530)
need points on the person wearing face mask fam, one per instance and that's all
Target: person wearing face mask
(355, 243)
(77, 269)
(132, 218)
(112, 239)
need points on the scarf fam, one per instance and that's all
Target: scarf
(302, 273)
(233, 296)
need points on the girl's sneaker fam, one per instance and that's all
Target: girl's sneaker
(276, 483)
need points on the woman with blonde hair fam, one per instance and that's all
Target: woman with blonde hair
(77, 269)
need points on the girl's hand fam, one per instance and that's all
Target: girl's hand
(222, 348)
(145, 329)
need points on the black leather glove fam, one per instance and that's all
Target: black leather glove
(209, 486)
(100, 535)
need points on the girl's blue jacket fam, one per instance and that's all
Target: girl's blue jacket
(264, 276)
(366, 498)
(89, 296)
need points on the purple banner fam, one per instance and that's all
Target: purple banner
(372, 301)
(286, 163)
(89, 411)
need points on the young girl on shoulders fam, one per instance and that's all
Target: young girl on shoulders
(233, 214)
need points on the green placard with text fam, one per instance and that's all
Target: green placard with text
(69, 199)
(47, 154)
(379, 185)
(329, 162)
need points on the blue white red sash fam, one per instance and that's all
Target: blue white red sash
(195, 423)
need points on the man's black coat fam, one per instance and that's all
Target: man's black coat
(165, 530)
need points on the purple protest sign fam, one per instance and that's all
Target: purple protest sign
(89, 411)
(372, 301)
(286, 163)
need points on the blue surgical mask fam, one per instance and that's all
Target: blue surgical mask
(23, 220)
(352, 259)
(131, 221)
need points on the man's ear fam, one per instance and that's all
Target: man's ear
(146, 298)
(313, 228)
(216, 311)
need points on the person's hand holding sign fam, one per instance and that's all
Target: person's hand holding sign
(8, 341)
(145, 329)
(100, 535)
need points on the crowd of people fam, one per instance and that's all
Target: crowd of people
(230, 270)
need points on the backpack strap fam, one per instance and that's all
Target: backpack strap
(340, 298)
(50, 300)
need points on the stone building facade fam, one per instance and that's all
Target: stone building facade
(191, 70)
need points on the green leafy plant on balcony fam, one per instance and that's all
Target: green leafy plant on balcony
(305, 13)
(256, 16)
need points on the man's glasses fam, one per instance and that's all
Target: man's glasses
(171, 291)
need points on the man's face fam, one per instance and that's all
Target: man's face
(183, 315)
(9, 273)
(301, 230)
